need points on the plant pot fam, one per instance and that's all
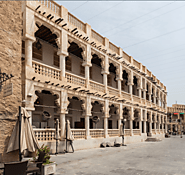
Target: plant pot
(48, 169)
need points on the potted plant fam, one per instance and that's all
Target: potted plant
(48, 167)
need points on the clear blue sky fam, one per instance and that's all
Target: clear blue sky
(152, 32)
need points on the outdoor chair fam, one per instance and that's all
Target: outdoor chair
(35, 167)
(15, 168)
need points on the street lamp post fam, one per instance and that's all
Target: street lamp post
(123, 122)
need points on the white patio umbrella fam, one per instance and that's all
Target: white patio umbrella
(27, 136)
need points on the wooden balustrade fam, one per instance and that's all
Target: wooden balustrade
(75, 79)
(97, 86)
(113, 132)
(113, 91)
(78, 133)
(127, 132)
(136, 131)
(97, 133)
(46, 70)
(44, 135)
(51, 5)
(76, 22)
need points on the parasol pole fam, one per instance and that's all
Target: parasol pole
(66, 136)
(56, 137)
(20, 155)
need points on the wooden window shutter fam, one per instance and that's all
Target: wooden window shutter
(82, 70)
(36, 53)
(90, 72)
(109, 82)
(56, 60)
(68, 63)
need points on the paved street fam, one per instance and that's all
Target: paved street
(151, 158)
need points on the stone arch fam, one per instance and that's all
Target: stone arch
(40, 89)
(40, 25)
(80, 45)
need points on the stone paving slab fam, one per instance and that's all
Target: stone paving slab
(150, 158)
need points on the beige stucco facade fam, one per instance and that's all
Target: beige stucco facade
(72, 72)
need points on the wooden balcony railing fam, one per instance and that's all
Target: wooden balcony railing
(75, 79)
(97, 133)
(113, 132)
(79, 133)
(136, 131)
(43, 135)
(97, 86)
(46, 70)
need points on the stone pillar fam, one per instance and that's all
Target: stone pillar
(86, 65)
(28, 52)
(139, 86)
(119, 78)
(62, 65)
(166, 126)
(87, 127)
(131, 117)
(130, 82)
(62, 125)
(150, 97)
(144, 126)
(131, 127)
(105, 72)
(106, 127)
(140, 126)
(119, 86)
(151, 128)
(150, 123)
(106, 108)
(105, 80)
(155, 127)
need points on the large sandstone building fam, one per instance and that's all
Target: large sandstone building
(176, 118)
(69, 71)
(10, 63)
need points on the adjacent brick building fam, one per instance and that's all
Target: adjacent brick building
(10, 63)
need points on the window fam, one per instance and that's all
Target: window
(82, 70)
(109, 82)
(90, 72)
(56, 60)
(68, 63)
(122, 85)
(37, 52)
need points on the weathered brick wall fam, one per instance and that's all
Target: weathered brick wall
(10, 63)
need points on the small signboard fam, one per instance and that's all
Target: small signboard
(8, 89)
